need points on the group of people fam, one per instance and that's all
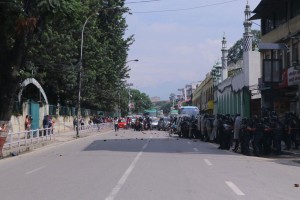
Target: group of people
(264, 134)
(142, 123)
(47, 123)
(138, 124)
(93, 120)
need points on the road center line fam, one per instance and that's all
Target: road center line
(189, 143)
(123, 179)
(195, 149)
(207, 162)
(35, 170)
(234, 188)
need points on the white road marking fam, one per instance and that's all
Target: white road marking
(35, 170)
(195, 149)
(207, 162)
(234, 188)
(189, 143)
(145, 145)
(123, 179)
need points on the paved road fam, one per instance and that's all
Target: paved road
(148, 165)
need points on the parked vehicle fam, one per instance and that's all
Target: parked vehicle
(163, 123)
(122, 123)
(154, 123)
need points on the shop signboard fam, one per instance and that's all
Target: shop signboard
(293, 76)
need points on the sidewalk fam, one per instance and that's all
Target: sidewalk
(58, 138)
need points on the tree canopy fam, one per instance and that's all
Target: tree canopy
(42, 39)
(141, 101)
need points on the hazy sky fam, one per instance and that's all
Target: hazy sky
(180, 44)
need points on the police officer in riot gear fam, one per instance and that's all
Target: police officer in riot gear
(257, 131)
(267, 136)
(278, 131)
(227, 131)
(244, 136)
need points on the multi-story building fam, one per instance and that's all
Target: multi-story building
(203, 95)
(155, 99)
(196, 101)
(186, 95)
(280, 65)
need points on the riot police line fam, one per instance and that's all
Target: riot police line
(258, 136)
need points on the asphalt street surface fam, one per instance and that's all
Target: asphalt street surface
(148, 165)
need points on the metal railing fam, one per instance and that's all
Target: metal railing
(27, 138)
(93, 127)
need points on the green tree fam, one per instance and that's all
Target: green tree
(41, 39)
(141, 101)
(235, 53)
(165, 106)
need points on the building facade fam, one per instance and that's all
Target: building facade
(279, 47)
(236, 93)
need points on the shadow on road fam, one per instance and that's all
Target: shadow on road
(170, 145)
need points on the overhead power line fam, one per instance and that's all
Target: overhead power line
(145, 1)
(185, 9)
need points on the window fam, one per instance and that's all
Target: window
(267, 68)
(276, 69)
(272, 70)
(295, 53)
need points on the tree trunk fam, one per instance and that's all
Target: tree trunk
(10, 63)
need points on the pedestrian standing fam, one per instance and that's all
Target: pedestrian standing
(75, 123)
(116, 124)
(3, 128)
(50, 124)
(82, 123)
(27, 123)
(236, 131)
(45, 124)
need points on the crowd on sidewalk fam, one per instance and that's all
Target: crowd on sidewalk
(96, 119)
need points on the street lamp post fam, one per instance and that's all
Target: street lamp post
(129, 98)
(80, 73)
(80, 64)
(135, 60)
(130, 84)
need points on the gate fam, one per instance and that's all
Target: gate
(34, 112)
